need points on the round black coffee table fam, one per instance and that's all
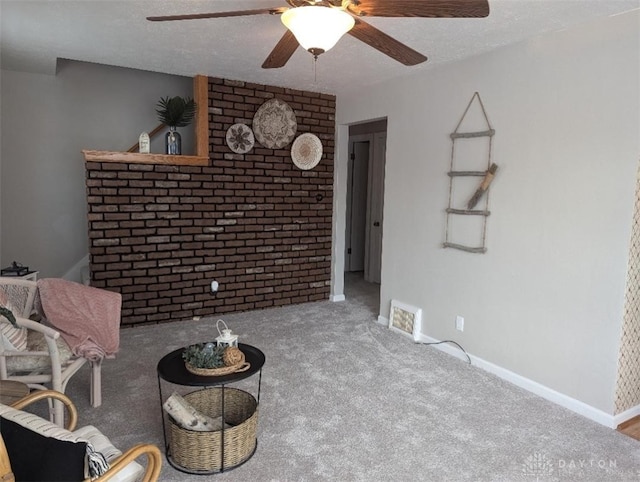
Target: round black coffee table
(171, 368)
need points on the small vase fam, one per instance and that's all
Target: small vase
(173, 142)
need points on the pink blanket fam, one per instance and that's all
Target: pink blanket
(87, 318)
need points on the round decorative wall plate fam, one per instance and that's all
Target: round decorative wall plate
(306, 151)
(240, 138)
(274, 124)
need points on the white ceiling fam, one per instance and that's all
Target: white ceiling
(35, 33)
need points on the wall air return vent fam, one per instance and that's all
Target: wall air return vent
(405, 319)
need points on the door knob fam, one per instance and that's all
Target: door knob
(377, 223)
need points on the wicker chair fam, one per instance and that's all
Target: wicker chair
(121, 466)
(47, 361)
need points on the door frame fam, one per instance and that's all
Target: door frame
(372, 138)
(338, 235)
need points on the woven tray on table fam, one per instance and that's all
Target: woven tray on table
(202, 451)
(216, 372)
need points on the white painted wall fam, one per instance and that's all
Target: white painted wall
(546, 300)
(46, 122)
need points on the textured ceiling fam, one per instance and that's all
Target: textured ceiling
(35, 33)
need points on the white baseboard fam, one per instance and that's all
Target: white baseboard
(545, 392)
(336, 298)
(626, 415)
(383, 321)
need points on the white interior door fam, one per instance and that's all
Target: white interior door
(373, 256)
(357, 200)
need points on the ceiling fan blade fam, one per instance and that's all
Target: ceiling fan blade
(379, 40)
(282, 52)
(420, 8)
(238, 13)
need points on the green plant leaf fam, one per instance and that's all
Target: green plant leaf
(176, 111)
(197, 356)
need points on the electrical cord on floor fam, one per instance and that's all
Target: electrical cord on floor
(450, 341)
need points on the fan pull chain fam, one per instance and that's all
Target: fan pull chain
(315, 69)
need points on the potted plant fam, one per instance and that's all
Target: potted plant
(175, 112)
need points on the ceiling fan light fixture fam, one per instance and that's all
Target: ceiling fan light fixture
(317, 28)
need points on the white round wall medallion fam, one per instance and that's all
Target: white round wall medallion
(240, 138)
(274, 124)
(306, 151)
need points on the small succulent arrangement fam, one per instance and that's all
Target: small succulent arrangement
(8, 314)
(176, 111)
(210, 356)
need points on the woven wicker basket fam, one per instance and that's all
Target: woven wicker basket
(202, 451)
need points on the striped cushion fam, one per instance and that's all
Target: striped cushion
(101, 443)
(95, 463)
(12, 337)
(34, 457)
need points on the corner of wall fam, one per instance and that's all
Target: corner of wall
(627, 392)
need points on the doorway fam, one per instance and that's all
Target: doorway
(357, 194)
(365, 200)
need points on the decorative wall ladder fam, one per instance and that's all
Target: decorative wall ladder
(467, 210)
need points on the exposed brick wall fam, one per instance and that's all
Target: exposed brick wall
(256, 223)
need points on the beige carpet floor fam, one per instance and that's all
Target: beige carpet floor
(345, 399)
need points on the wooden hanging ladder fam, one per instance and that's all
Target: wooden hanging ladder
(482, 190)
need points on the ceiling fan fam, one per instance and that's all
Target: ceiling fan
(318, 24)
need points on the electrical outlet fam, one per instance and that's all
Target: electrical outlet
(459, 323)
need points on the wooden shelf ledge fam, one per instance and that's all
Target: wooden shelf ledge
(136, 157)
(201, 93)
